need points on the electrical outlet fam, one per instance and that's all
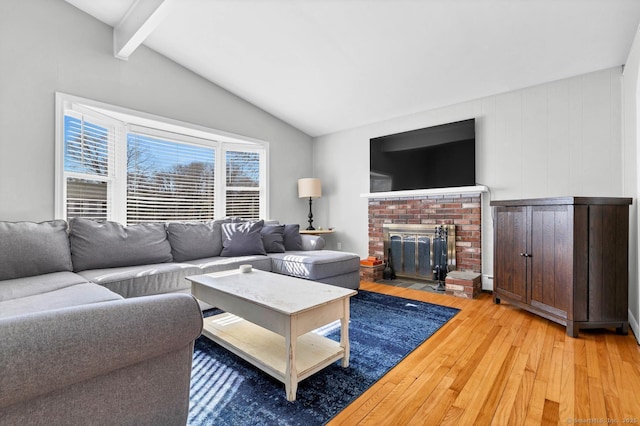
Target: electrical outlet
(339, 246)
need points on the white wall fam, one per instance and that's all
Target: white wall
(49, 45)
(560, 138)
(631, 122)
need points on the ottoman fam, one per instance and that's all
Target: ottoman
(326, 266)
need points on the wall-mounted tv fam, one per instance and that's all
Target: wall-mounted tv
(434, 157)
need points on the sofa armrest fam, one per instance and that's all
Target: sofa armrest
(312, 242)
(50, 350)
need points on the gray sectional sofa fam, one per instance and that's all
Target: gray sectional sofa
(97, 323)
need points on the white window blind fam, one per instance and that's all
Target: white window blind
(242, 188)
(169, 180)
(86, 198)
(88, 164)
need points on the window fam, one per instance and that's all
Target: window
(88, 148)
(242, 193)
(131, 167)
(169, 180)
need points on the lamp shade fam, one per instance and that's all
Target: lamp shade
(309, 187)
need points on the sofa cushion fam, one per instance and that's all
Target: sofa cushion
(104, 244)
(28, 248)
(29, 286)
(143, 280)
(350, 280)
(312, 242)
(315, 265)
(292, 238)
(75, 295)
(242, 239)
(195, 240)
(217, 264)
(273, 238)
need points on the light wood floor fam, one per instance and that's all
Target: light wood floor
(496, 364)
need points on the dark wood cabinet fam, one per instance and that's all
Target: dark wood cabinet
(565, 259)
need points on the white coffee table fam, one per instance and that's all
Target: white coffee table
(268, 318)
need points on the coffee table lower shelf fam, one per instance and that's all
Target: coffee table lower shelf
(267, 350)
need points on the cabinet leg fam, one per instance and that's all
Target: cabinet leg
(623, 329)
(572, 331)
(496, 300)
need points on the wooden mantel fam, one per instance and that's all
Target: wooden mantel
(427, 192)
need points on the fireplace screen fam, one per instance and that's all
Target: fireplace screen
(416, 249)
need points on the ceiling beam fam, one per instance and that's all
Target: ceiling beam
(138, 23)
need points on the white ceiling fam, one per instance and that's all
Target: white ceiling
(329, 65)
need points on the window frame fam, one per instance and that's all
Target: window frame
(222, 181)
(127, 121)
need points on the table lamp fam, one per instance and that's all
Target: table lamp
(309, 187)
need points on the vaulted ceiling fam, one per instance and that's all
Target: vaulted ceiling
(329, 65)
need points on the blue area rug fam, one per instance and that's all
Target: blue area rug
(226, 390)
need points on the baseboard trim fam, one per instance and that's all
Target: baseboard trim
(635, 327)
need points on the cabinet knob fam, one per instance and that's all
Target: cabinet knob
(525, 255)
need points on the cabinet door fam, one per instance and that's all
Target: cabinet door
(551, 259)
(510, 242)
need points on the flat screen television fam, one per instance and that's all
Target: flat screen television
(434, 157)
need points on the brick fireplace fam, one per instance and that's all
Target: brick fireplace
(461, 210)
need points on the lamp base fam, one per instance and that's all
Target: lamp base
(310, 216)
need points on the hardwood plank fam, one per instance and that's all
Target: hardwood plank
(379, 413)
(581, 395)
(568, 379)
(488, 371)
(597, 405)
(631, 391)
(416, 396)
(620, 376)
(452, 417)
(591, 351)
(555, 379)
(550, 413)
(544, 369)
(607, 380)
(433, 412)
(518, 413)
(469, 365)
(524, 327)
(535, 407)
(501, 398)
(498, 364)
(360, 408)
(535, 339)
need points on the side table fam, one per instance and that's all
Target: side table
(317, 231)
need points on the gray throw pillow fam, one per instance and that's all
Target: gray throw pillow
(242, 239)
(273, 238)
(195, 240)
(292, 238)
(29, 248)
(104, 244)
